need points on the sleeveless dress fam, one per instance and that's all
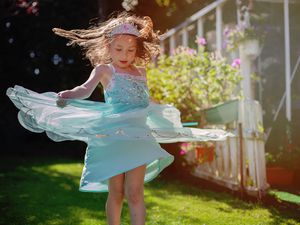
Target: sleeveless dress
(121, 133)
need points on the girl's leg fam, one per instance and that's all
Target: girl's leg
(134, 192)
(115, 199)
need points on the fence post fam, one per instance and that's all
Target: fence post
(241, 160)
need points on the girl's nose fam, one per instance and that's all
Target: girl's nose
(125, 55)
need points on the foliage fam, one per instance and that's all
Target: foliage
(236, 36)
(249, 27)
(181, 167)
(192, 81)
(283, 157)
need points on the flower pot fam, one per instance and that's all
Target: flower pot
(297, 178)
(280, 176)
(205, 154)
(251, 48)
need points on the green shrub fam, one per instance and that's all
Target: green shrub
(193, 80)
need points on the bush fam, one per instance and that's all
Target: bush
(284, 157)
(192, 81)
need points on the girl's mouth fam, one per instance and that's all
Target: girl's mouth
(123, 61)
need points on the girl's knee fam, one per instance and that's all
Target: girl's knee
(116, 195)
(134, 195)
(116, 187)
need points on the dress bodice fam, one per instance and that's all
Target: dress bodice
(127, 89)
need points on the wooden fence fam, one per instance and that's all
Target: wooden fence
(240, 161)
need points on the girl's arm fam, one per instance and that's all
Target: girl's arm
(86, 89)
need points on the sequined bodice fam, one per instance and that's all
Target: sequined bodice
(128, 89)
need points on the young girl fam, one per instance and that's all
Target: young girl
(123, 133)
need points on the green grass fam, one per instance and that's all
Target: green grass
(45, 191)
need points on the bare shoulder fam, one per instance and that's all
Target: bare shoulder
(102, 70)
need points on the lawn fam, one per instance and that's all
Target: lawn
(45, 191)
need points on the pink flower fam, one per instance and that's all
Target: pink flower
(226, 31)
(236, 63)
(201, 41)
(191, 51)
(182, 152)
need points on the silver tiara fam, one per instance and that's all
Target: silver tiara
(125, 28)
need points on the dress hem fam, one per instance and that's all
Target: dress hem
(145, 181)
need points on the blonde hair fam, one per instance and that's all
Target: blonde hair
(95, 40)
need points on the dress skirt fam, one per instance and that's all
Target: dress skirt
(118, 137)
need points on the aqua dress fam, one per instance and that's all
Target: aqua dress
(121, 133)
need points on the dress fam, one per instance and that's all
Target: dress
(121, 133)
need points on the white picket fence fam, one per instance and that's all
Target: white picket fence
(227, 169)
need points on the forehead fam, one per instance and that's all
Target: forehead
(124, 39)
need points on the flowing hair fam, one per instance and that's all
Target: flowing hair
(96, 39)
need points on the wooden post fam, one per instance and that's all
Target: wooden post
(219, 28)
(200, 29)
(241, 160)
(287, 53)
(185, 37)
(172, 44)
(162, 46)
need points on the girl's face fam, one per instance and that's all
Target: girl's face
(123, 50)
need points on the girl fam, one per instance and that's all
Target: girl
(123, 133)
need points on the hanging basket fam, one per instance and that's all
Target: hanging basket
(251, 48)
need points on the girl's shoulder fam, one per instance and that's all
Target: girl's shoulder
(103, 70)
(142, 70)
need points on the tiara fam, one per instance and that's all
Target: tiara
(125, 28)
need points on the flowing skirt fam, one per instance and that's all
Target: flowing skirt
(119, 137)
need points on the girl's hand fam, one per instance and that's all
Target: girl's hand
(65, 94)
(62, 101)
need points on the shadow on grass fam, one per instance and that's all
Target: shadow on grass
(35, 191)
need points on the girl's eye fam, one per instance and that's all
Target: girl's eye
(119, 50)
